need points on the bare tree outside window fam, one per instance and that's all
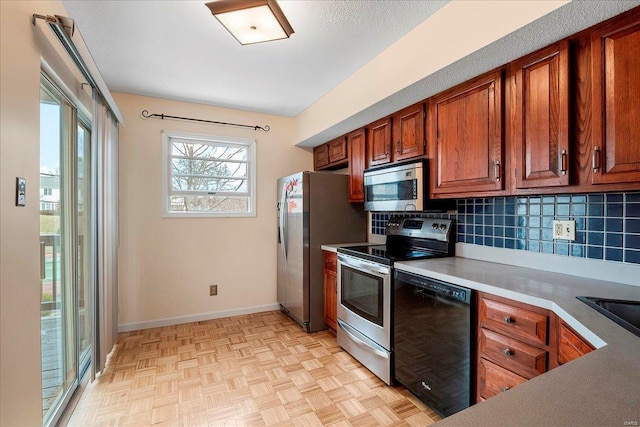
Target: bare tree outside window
(209, 176)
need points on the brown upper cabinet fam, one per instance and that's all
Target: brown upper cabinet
(615, 58)
(379, 148)
(408, 132)
(564, 118)
(540, 122)
(465, 130)
(356, 141)
(321, 156)
(332, 155)
(397, 137)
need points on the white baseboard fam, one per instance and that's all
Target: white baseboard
(135, 326)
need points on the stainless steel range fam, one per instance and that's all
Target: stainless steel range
(365, 288)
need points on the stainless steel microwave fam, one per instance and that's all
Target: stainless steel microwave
(401, 188)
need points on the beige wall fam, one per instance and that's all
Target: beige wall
(20, 55)
(167, 264)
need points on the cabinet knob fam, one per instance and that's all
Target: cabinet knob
(398, 147)
(507, 320)
(503, 389)
(564, 162)
(497, 169)
(507, 352)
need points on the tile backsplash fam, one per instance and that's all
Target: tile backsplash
(607, 225)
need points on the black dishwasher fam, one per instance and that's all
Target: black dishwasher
(433, 341)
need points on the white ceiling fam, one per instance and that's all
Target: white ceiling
(178, 50)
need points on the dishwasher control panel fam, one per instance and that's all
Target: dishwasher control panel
(436, 286)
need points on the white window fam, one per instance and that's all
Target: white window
(208, 175)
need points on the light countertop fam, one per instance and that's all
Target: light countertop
(601, 388)
(334, 247)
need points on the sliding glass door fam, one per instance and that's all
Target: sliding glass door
(85, 267)
(65, 231)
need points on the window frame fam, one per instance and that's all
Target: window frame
(250, 144)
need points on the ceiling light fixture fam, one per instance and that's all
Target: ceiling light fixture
(252, 21)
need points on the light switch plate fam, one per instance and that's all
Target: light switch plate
(21, 191)
(565, 229)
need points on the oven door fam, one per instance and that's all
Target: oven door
(364, 298)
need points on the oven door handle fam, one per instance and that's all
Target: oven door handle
(345, 328)
(364, 266)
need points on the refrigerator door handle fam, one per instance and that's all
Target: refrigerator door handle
(281, 226)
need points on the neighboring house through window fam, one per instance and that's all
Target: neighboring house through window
(207, 175)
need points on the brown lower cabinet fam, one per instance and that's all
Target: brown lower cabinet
(330, 289)
(514, 344)
(570, 344)
(493, 379)
(517, 342)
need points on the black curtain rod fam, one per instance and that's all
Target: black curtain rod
(146, 115)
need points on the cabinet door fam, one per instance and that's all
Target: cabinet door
(379, 147)
(466, 128)
(330, 289)
(357, 164)
(320, 156)
(541, 118)
(615, 60)
(570, 344)
(338, 150)
(330, 299)
(408, 132)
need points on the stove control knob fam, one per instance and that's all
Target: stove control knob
(443, 227)
(434, 226)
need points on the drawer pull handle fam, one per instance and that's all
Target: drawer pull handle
(507, 352)
(503, 389)
(507, 320)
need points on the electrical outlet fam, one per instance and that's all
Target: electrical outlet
(565, 230)
(213, 290)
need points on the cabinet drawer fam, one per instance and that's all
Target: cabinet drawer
(570, 345)
(330, 261)
(495, 380)
(514, 321)
(524, 359)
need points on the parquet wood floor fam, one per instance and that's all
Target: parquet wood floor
(254, 370)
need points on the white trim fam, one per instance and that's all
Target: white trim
(169, 321)
(609, 271)
(252, 168)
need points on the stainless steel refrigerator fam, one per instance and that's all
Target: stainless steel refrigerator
(313, 209)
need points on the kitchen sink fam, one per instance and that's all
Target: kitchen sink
(625, 313)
